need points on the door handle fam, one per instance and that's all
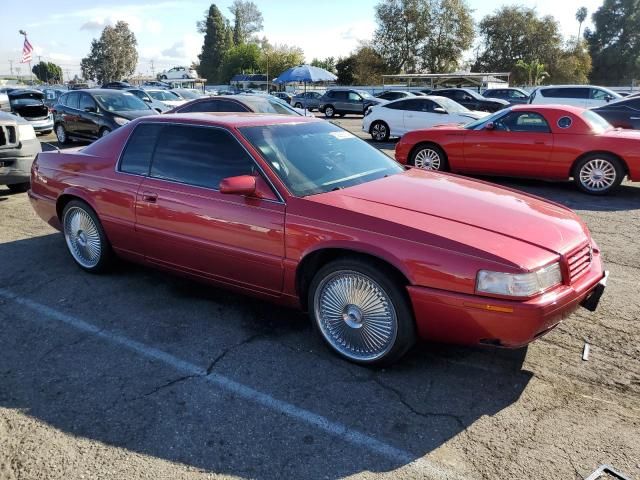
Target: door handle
(150, 197)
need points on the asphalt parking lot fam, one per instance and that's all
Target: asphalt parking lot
(138, 374)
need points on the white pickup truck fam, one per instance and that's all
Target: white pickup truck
(18, 148)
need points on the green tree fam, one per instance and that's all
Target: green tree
(581, 16)
(614, 43)
(113, 56)
(416, 35)
(278, 58)
(517, 33)
(247, 20)
(328, 63)
(534, 70)
(243, 58)
(345, 70)
(572, 64)
(48, 72)
(217, 41)
(451, 33)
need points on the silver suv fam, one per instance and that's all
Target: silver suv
(308, 100)
(342, 101)
(18, 148)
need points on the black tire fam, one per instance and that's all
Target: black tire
(62, 135)
(423, 149)
(19, 187)
(379, 131)
(329, 111)
(382, 280)
(598, 173)
(298, 105)
(104, 132)
(105, 256)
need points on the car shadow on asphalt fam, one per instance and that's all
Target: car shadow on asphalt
(85, 386)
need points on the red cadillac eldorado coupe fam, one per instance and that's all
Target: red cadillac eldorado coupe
(301, 212)
(542, 141)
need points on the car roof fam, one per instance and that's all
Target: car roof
(549, 108)
(230, 119)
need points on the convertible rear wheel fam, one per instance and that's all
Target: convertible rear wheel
(379, 131)
(85, 237)
(361, 313)
(598, 173)
(429, 157)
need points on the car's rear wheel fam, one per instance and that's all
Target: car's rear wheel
(85, 237)
(298, 105)
(18, 187)
(379, 131)
(362, 312)
(598, 173)
(329, 112)
(429, 157)
(61, 134)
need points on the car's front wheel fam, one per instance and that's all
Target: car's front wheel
(298, 105)
(361, 311)
(429, 157)
(598, 173)
(85, 237)
(379, 131)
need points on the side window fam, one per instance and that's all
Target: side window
(230, 106)
(331, 94)
(577, 92)
(87, 102)
(63, 99)
(516, 94)
(199, 156)
(73, 100)
(597, 94)
(354, 97)
(523, 122)
(634, 103)
(340, 95)
(210, 106)
(401, 105)
(136, 156)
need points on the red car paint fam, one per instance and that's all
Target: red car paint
(436, 229)
(527, 154)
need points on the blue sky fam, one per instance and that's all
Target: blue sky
(62, 31)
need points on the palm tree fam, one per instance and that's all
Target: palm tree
(581, 16)
(535, 71)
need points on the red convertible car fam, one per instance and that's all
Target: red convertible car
(552, 142)
(301, 212)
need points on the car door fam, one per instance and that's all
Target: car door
(519, 144)
(356, 103)
(88, 122)
(420, 114)
(71, 112)
(393, 115)
(185, 223)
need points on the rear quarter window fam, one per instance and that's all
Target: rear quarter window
(136, 157)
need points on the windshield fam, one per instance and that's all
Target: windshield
(450, 106)
(269, 105)
(491, 118)
(595, 121)
(163, 95)
(119, 101)
(190, 94)
(473, 93)
(318, 157)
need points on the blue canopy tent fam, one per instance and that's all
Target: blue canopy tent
(305, 74)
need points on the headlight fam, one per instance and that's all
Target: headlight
(120, 121)
(26, 132)
(519, 284)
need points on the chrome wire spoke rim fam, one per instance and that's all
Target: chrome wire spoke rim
(428, 159)
(355, 315)
(598, 174)
(83, 237)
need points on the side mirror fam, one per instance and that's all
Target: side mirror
(240, 185)
(439, 110)
(608, 98)
(147, 99)
(490, 126)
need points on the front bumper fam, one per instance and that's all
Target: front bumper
(15, 163)
(450, 317)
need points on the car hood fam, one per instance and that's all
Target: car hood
(496, 100)
(470, 212)
(131, 114)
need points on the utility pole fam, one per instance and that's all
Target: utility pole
(11, 67)
(153, 70)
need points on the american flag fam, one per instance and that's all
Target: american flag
(27, 49)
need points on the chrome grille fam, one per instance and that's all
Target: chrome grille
(8, 136)
(579, 261)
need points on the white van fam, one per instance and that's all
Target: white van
(585, 96)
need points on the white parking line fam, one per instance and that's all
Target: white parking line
(426, 468)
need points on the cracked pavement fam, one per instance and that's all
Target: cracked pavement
(73, 405)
